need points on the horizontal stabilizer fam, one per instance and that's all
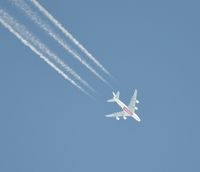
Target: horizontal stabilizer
(111, 100)
(117, 95)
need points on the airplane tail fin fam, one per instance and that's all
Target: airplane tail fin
(115, 96)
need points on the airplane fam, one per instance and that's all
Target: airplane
(127, 111)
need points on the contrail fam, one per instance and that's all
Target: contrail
(69, 35)
(34, 17)
(13, 26)
(36, 42)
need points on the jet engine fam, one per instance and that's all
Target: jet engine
(124, 117)
(136, 108)
(137, 101)
(117, 118)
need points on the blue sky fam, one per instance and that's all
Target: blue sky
(48, 125)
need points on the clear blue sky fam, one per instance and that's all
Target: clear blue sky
(48, 125)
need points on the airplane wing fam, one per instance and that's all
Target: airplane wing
(116, 114)
(132, 103)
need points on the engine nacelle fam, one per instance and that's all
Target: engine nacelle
(136, 108)
(117, 118)
(124, 117)
(137, 101)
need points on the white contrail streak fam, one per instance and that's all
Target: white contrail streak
(8, 22)
(69, 35)
(36, 42)
(34, 17)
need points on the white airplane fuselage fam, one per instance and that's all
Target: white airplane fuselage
(127, 110)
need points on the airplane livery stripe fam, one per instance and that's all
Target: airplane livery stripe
(127, 111)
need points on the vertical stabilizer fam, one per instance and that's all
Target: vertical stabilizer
(115, 96)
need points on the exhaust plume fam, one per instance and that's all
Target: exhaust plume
(14, 27)
(35, 18)
(69, 35)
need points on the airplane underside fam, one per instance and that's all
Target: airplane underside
(125, 117)
(118, 118)
(127, 111)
